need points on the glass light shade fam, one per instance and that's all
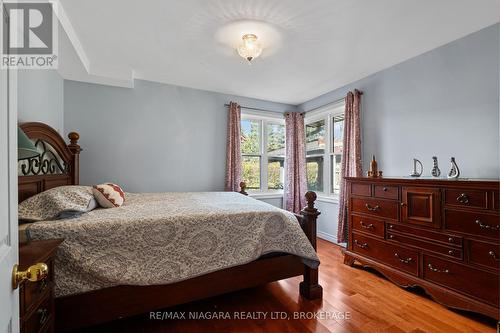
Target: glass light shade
(250, 49)
(25, 148)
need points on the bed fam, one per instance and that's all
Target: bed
(260, 243)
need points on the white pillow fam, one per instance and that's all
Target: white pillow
(108, 195)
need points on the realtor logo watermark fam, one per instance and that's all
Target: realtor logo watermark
(29, 35)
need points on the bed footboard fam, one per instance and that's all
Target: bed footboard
(310, 287)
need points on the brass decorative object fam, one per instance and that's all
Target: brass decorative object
(34, 273)
(373, 172)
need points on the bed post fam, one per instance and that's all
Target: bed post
(310, 288)
(75, 151)
(243, 186)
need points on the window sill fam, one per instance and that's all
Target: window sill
(328, 199)
(265, 195)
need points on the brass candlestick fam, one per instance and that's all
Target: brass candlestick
(373, 172)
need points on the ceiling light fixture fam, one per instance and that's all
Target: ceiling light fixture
(250, 49)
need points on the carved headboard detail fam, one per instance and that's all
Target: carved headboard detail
(57, 164)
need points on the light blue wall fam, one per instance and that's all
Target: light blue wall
(442, 103)
(154, 137)
(40, 97)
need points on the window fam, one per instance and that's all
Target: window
(263, 152)
(324, 148)
(315, 149)
(251, 153)
(337, 150)
(275, 156)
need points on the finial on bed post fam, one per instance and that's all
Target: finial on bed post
(311, 198)
(310, 288)
(73, 138)
(75, 150)
(243, 186)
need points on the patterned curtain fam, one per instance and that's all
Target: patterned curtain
(351, 159)
(233, 154)
(296, 181)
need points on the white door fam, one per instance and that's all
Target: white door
(9, 298)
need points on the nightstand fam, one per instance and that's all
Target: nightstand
(36, 299)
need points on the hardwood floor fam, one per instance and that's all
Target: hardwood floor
(369, 302)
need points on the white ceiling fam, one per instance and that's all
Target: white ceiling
(311, 46)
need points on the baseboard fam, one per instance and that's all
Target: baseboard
(327, 236)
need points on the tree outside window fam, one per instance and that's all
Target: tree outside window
(263, 153)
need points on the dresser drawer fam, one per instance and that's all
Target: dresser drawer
(484, 253)
(448, 251)
(368, 225)
(396, 256)
(361, 189)
(386, 192)
(487, 225)
(376, 207)
(464, 279)
(31, 292)
(40, 318)
(466, 198)
(431, 235)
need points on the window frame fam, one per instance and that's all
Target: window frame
(326, 113)
(264, 119)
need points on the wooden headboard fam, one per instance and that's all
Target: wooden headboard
(57, 164)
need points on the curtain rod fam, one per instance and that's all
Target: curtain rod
(333, 102)
(327, 104)
(256, 109)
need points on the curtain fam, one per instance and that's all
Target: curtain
(296, 181)
(233, 154)
(351, 159)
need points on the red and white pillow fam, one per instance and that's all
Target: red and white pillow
(108, 195)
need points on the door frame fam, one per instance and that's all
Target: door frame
(11, 242)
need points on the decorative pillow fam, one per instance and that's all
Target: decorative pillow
(108, 195)
(57, 203)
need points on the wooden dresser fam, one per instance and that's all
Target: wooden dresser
(441, 235)
(36, 299)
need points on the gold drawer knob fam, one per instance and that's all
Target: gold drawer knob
(34, 273)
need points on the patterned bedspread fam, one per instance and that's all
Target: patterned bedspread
(161, 238)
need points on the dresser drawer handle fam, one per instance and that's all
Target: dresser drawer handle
(43, 285)
(487, 226)
(361, 245)
(494, 255)
(372, 209)
(451, 240)
(384, 189)
(44, 316)
(450, 252)
(363, 225)
(404, 261)
(437, 270)
(463, 199)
